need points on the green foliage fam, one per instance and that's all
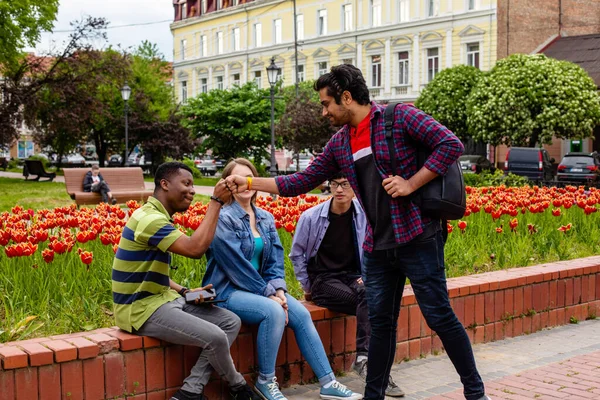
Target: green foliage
(233, 123)
(526, 99)
(21, 24)
(195, 171)
(44, 160)
(486, 178)
(445, 98)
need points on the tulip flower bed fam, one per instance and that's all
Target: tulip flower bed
(55, 265)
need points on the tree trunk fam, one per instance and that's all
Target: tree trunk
(535, 135)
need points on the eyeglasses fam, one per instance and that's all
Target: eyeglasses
(334, 185)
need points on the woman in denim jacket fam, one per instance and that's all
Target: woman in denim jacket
(245, 265)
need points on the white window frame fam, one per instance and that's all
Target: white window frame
(257, 78)
(235, 35)
(471, 5)
(403, 68)
(183, 10)
(322, 67)
(203, 6)
(219, 5)
(301, 73)
(219, 82)
(300, 26)
(375, 13)
(203, 50)
(184, 92)
(203, 85)
(350, 60)
(183, 45)
(220, 40)
(322, 22)
(431, 73)
(277, 34)
(473, 58)
(237, 81)
(403, 10)
(375, 76)
(347, 17)
(432, 8)
(257, 34)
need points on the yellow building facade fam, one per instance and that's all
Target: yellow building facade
(400, 45)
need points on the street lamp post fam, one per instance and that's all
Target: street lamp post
(125, 93)
(273, 72)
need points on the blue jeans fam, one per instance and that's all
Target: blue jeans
(421, 261)
(270, 317)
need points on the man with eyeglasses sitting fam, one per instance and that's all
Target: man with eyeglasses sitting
(327, 257)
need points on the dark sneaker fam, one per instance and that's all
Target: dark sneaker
(243, 392)
(184, 395)
(114, 201)
(393, 390)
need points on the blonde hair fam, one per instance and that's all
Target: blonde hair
(239, 161)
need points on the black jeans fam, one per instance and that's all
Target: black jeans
(340, 292)
(102, 188)
(421, 261)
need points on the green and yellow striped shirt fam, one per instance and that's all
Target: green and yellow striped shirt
(140, 273)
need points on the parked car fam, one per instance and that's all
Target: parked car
(474, 164)
(73, 160)
(530, 162)
(580, 167)
(115, 160)
(305, 160)
(206, 164)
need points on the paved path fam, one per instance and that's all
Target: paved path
(558, 363)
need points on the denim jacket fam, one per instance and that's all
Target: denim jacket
(310, 231)
(229, 266)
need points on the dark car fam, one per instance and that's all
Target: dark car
(115, 160)
(530, 162)
(475, 164)
(580, 167)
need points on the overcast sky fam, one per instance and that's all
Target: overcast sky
(118, 12)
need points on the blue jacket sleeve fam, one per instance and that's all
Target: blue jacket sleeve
(273, 269)
(227, 251)
(299, 253)
(87, 182)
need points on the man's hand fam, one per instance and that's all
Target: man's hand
(397, 186)
(221, 191)
(307, 296)
(200, 298)
(237, 183)
(360, 281)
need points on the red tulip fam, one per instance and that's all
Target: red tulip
(449, 227)
(513, 224)
(556, 212)
(462, 225)
(48, 255)
(499, 229)
(86, 257)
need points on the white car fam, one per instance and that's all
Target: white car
(74, 160)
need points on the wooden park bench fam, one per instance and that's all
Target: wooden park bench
(35, 167)
(3, 163)
(124, 183)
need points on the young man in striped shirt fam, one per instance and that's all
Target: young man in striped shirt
(400, 242)
(147, 302)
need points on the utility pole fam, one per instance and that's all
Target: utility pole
(296, 46)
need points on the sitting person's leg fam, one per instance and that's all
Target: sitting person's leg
(106, 193)
(312, 349)
(211, 328)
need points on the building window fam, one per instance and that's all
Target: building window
(375, 71)
(257, 35)
(236, 39)
(184, 92)
(183, 10)
(203, 6)
(204, 85)
(235, 79)
(348, 61)
(322, 22)
(203, 46)
(375, 12)
(347, 9)
(322, 68)
(24, 148)
(473, 54)
(219, 83)
(471, 5)
(277, 30)
(219, 42)
(183, 45)
(258, 79)
(300, 26)
(300, 73)
(432, 8)
(403, 10)
(403, 65)
(219, 4)
(433, 63)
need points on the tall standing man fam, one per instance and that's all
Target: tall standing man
(327, 257)
(400, 243)
(147, 302)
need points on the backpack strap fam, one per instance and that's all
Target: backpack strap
(389, 134)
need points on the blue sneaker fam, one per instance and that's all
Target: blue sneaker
(269, 390)
(338, 391)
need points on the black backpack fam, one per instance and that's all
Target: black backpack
(444, 197)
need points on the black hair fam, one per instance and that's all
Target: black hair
(167, 170)
(339, 175)
(341, 78)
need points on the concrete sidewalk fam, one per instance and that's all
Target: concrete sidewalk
(558, 363)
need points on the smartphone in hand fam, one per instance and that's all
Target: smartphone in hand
(207, 295)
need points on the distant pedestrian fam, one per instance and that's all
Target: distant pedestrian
(94, 182)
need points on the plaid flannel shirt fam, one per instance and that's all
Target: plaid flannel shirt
(410, 124)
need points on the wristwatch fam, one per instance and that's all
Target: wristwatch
(182, 291)
(218, 200)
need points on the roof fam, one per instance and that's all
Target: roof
(581, 50)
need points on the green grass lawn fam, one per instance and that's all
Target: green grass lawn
(31, 194)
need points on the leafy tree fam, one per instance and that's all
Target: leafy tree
(302, 125)
(445, 98)
(21, 23)
(525, 100)
(234, 122)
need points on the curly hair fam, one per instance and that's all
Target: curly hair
(341, 78)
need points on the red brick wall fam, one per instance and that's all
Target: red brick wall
(525, 25)
(108, 363)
